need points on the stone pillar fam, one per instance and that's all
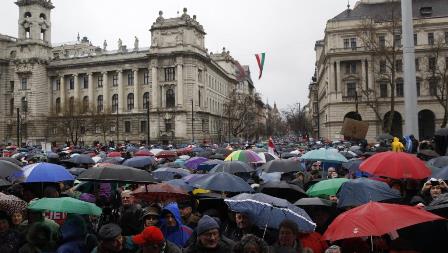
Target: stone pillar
(363, 74)
(91, 99)
(136, 91)
(163, 97)
(371, 83)
(195, 88)
(120, 91)
(106, 96)
(180, 86)
(155, 84)
(76, 90)
(331, 79)
(62, 92)
(338, 84)
(51, 82)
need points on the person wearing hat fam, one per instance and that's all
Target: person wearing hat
(151, 216)
(172, 227)
(189, 217)
(110, 239)
(209, 238)
(151, 240)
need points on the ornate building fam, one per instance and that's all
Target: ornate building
(173, 90)
(359, 68)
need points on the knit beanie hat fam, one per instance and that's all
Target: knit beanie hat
(205, 224)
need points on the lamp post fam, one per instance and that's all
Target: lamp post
(192, 122)
(148, 124)
(116, 126)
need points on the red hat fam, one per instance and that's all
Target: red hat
(151, 235)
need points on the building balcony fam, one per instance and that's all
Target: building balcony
(351, 98)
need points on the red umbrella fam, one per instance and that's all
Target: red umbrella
(166, 154)
(375, 219)
(114, 154)
(143, 152)
(160, 193)
(397, 165)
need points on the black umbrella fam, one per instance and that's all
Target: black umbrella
(439, 162)
(3, 183)
(12, 160)
(76, 171)
(223, 182)
(313, 202)
(81, 159)
(282, 189)
(9, 170)
(218, 156)
(281, 166)
(223, 151)
(287, 155)
(352, 165)
(441, 174)
(348, 154)
(232, 167)
(384, 136)
(111, 160)
(427, 154)
(206, 153)
(117, 173)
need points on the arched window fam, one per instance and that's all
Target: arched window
(58, 105)
(130, 101)
(85, 104)
(24, 103)
(115, 103)
(71, 104)
(170, 99)
(27, 14)
(42, 16)
(146, 100)
(99, 103)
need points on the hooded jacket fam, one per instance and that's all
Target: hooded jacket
(397, 146)
(179, 234)
(73, 233)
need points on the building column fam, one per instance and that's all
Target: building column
(90, 91)
(76, 90)
(120, 91)
(338, 84)
(163, 97)
(62, 92)
(106, 98)
(51, 81)
(136, 91)
(180, 86)
(371, 83)
(363, 74)
(155, 93)
(331, 79)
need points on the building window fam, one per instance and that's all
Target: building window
(85, 104)
(143, 126)
(11, 106)
(131, 78)
(415, 39)
(100, 81)
(169, 74)
(351, 89)
(417, 64)
(417, 83)
(115, 80)
(383, 89)
(350, 68)
(127, 126)
(72, 83)
(200, 75)
(397, 40)
(346, 43)
(130, 101)
(24, 104)
(146, 77)
(11, 85)
(115, 103)
(382, 66)
(433, 87)
(432, 63)
(353, 43)
(431, 38)
(58, 105)
(99, 103)
(86, 82)
(399, 66)
(199, 98)
(399, 88)
(146, 100)
(24, 83)
(381, 41)
(170, 99)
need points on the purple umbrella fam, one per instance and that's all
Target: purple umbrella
(193, 177)
(194, 162)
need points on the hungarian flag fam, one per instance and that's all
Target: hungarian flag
(271, 146)
(260, 61)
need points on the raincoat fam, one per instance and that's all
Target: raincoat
(397, 146)
(73, 233)
(179, 234)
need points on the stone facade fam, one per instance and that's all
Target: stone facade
(346, 67)
(173, 82)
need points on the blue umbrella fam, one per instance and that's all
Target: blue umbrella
(194, 162)
(181, 183)
(197, 149)
(363, 190)
(139, 161)
(45, 172)
(81, 159)
(267, 211)
(223, 182)
(168, 173)
(210, 164)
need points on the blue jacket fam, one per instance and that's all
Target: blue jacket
(73, 233)
(179, 234)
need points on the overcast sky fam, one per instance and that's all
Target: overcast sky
(285, 29)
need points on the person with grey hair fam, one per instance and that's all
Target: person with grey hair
(130, 214)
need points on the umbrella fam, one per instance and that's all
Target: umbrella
(65, 205)
(194, 162)
(223, 182)
(198, 149)
(384, 136)
(224, 151)
(427, 154)
(325, 188)
(193, 178)
(284, 190)
(143, 152)
(166, 154)
(111, 160)
(114, 154)
(284, 166)
(168, 173)
(76, 171)
(12, 160)
(232, 167)
(375, 219)
(362, 190)
(3, 182)
(352, 165)
(259, 150)
(217, 156)
(440, 161)
(442, 173)
(397, 165)
(324, 155)
(160, 193)
(247, 156)
(206, 153)
(131, 149)
(313, 202)
(45, 172)
(348, 154)
(181, 183)
(156, 151)
(140, 162)
(267, 211)
(82, 159)
(11, 204)
(266, 157)
(288, 155)
(116, 173)
(210, 164)
(9, 169)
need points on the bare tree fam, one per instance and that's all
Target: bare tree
(297, 120)
(102, 121)
(241, 111)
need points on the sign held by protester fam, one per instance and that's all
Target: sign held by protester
(354, 129)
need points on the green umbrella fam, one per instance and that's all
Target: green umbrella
(66, 205)
(327, 187)
(324, 155)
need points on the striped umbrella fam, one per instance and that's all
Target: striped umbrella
(247, 156)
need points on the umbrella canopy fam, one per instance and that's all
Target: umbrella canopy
(440, 161)
(114, 154)
(266, 157)
(143, 152)
(4, 182)
(160, 193)
(264, 210)
(76, 171)
(111, 160)
(140, 162)
(206, 153)
(232, 167)
(192, 178)
(45, 172)
(375, 219)
(247, 156)
(182, 184)
(284, 166)
(427, 154)
(352, 165)
(66, 205)
(348, 154)
(313, 202)
(442, 173)
(210, 164)
(223, 151)
(12, 204)
(166, 154)
(168, 173)
(156, 151)
(324, 155)
(282, 189)
(223, 182)
(117, 173)
(194, 162)
(12, 160)
(362, 190)
(217, 156)
(9, 170)
(82, 159)
(325, 188)
(397, 165)
(384, 136)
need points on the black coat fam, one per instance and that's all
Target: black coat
(224, 246)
